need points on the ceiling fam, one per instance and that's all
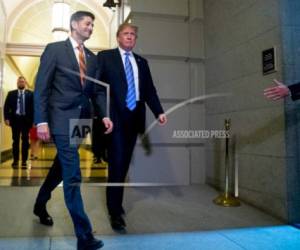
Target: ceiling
(26, 66)
(29, 22)
(35, 26)
(11, 6)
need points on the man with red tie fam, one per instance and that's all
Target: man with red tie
(59, 97)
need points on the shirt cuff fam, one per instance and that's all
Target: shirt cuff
(42, 123)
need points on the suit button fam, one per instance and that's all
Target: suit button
(79, 106)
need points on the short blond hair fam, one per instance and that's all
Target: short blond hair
(127, 25)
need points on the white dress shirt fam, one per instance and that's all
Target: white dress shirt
(20, 91)
(135, 70)
(75, 48)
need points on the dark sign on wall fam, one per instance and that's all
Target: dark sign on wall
(269, 61)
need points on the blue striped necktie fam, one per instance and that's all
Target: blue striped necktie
(130, 97)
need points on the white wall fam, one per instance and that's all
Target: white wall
(2, 54)
(9, 83)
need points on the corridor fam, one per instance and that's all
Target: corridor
(36, 170)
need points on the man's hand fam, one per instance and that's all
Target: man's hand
(108, 125)
(162, 119)
(278, 92)
(7, 122)
(43, 132)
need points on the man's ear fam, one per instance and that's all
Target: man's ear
(74, 24)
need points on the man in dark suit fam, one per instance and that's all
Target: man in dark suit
(131, 86)
(61, 95)
(18, 114)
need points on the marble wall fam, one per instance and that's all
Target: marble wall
(236, 32)
(171, 38)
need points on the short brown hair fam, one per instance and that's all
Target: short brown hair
(78, 15)
(21, 77)
(126, 25)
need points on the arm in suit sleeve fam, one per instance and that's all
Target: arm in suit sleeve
(295, 91)
(151, 96)
(31, 107)
(99, 99)
(43, 85)
(7, 107)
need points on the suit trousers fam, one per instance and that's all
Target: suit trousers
(99, 140)
(66, 168)
(121, 146)
(20, 129)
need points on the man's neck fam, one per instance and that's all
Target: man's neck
(124, 50)
(77, 39)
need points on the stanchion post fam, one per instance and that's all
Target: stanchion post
(226, 199)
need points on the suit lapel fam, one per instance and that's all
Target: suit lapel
(88, 61)
(89, 66)
(15, 94)
(73, 59)
(26, 96)
(118, 64)
(15, 99)
(139, 65)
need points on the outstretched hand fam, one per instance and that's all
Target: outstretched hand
(278, 92)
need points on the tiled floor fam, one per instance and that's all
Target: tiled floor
(36, 170)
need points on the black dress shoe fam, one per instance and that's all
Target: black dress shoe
(15, 164)
(122, 211)
(89, 244)
(32, 157)
(118, 224)
(97, 160)
(42, 213)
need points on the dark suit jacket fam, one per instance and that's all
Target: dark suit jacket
(295, 91)
(59, 95)
(111, 71)
(10, 106)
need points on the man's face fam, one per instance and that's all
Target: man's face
(84, 27)
(127, 38)
(21, 83)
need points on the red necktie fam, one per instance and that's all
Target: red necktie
(82, 65)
